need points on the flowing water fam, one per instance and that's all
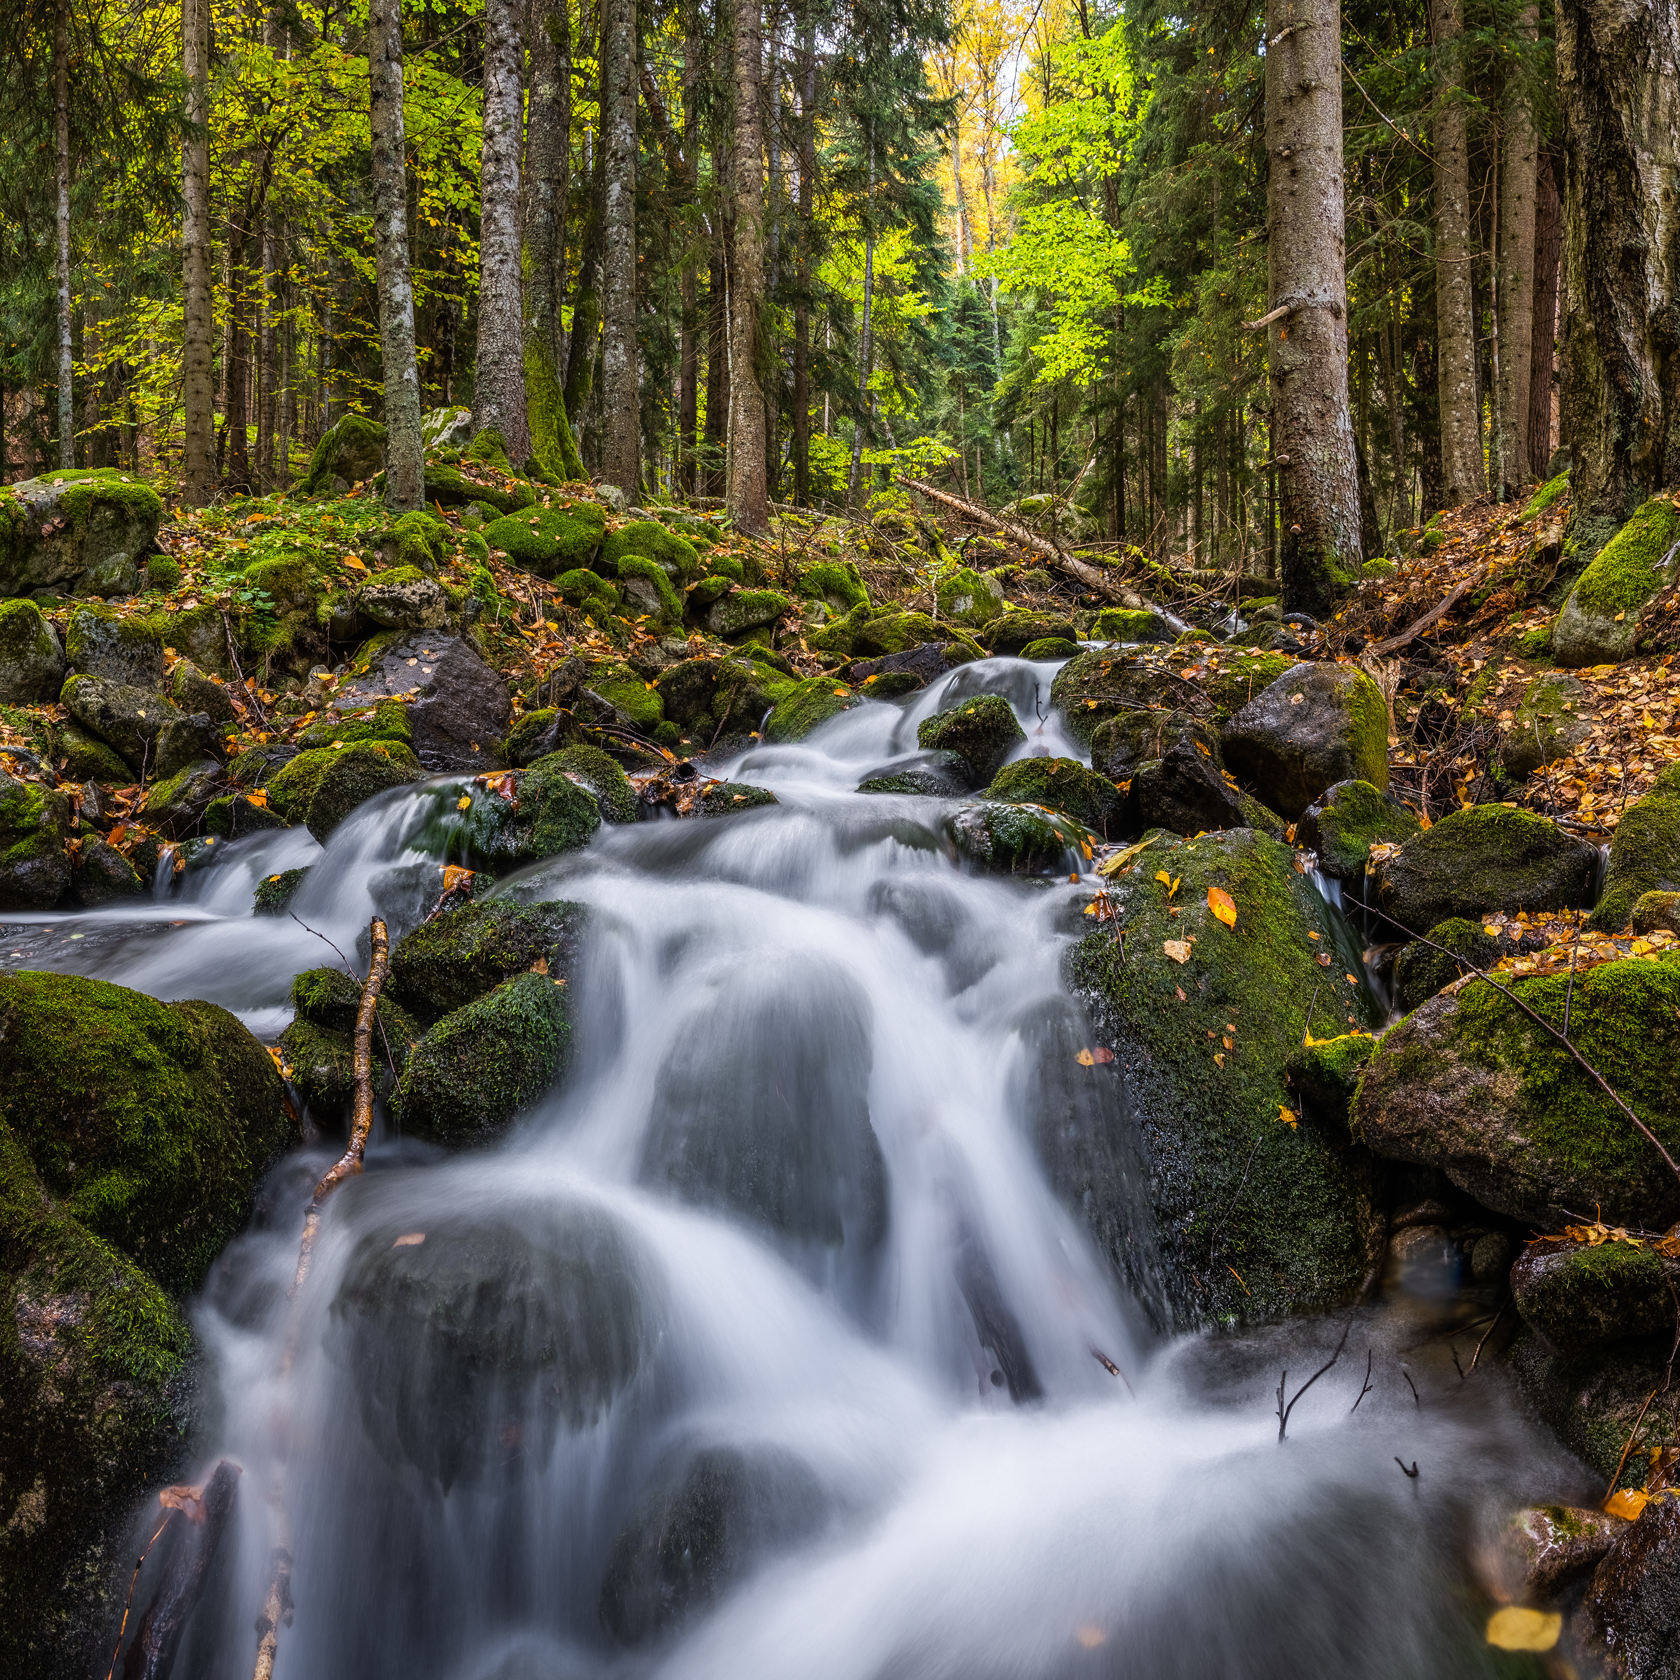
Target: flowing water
(762, 1348)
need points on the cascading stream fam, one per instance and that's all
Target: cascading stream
(761, 1347)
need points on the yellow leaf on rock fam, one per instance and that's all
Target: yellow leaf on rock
(1629, 1502)
(1223, 906)
(463, 802)
(1113, 865)
(1177, 949)
(1086, 1059)
(1518, 1629)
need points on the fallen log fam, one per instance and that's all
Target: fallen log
(1432, 617)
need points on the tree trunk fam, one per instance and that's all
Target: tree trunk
(1516, 280)
(61, 125)
(267, 339)
(547, 171)
(748, 496)
(866, 346)
(198, 394)
(404, 455)
(621, 450)
(499, 378)
(1619, 87)
(1455, 316)
(1307, 278)
(235, 450)
(802, 293)
(1548, 248)
(586, 305)
(717, 362)
(688, 364)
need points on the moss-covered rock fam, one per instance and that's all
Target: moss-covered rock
(1547, 496)
(176, 806)
(1656, 910)
(864, 633)
(1315, 726)
(34, 825)
(31, 661)
(675, 556)
(1110, 683)
(1472, 1085)
(1203, 1045)
(1420, 972)
(801, 707)
(403, 598)
(151, 1121)
(553, 814)
(1346, 821)
(460, 955)
(1060, 784)
(103, 643)
(1010, 632)
(384, 722)
(938, 775)
(1050, 648)
(1129, 739)
(600, 774)
(88, 759)
(1326, 1073)
(1599, 623)
(418, 539)
(1188, 790)
(275, 892)
(451, 486)
(1578, 1296)
(351, 451)
(746, 609)
(320, 788)
(1017, 839)
(1644, 853)
(552, 540)
(193, 691)
(1545, 724)
(1123, 624)
(77, 532)
(102, 875)
(232, 816)
(1481, 859)
(984, 730)
(970, 598)
(724, 799)
(319, 1045)
(837, 584)
(586, 590)
(477, 1068)
(646, 589)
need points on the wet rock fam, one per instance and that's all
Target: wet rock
(1481, 859)
(1010, 632)
(1123, 743)
(185, 739)
(701, 1528)
(88, 759)
(1547, 1548)
(935, 775)
(76, 532)
(31, 661)
(983, 730)
(1577, 1296)
(151, 1121)
(762, 1107)
(1120, 624)
(1545, 724)
(969, 597)
(1107, 683)
(275, 892)
(1326, 1074)
(1631, 1616)
(1061, 784)
(478, 1346)
(1470, 1084)
(103, 875)
(176, 807)
(352, 451)
(233, 816)
(1420, 971)
(1346, 821)
(460, 708)
(1189, 791)
(801, 707)
(1017, 839)
(540, 815)
(727, 798)
(1644, 853)
(193, 691)
(319, 1044)
(537, 734)
(403, 598)
(601, 775)
(127, 719)
(463, 953)
(34, 824)
(924, 663)
(103, 643)
(1655, 911)
(1599, 623)
(322, 787)
(1490, 1257)
(1317, 725)
(1304, 1231)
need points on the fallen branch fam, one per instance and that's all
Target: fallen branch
(1433, 616)
(1283, 1411)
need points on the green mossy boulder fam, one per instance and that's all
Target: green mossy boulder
(837, 584)
(88, 759)
(452, 486)
(1235, 1188)
(80, 532)
(1128, 740)
(554, 815)
(646, 589)
(1420, 972)
(416, 539)
(537, 734)
(176, 806)
(984, 730)
(1061, 784)
(351, 451)
(1547, 496)
(1050, 648)
(1346, 821)
(1580, 1296)
(1010, 632)
(319, 1045)
(478, 1067)
(1107, 683)
(34, 825)
(588, 591)
(404, 599)
(1017, 839)
(549, 541)
(103, 643)
(969, 598)
(31, 661)
(102, 875)
(152, 1122)
(1124, 624)
(939, 775)
(1545, 725)
(1315, 726)
(1644, 853)
(322, 787)
(865, 633)
(193, 691)
(600, 774)
(724, 799)
(675, 556)
(1656, 910)
(275, 892)
(1599, 623)
(1326, 1073)
(801, 707)
(1471, 1085)
(385, 722)
(162, 574)
(1481, 859)
(460, 955)
(746, 609)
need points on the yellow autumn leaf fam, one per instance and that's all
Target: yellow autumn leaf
(353, 563)
(1288, 1116)
(1223, 906)
(1518, 1629)
(463, 802)
(1086, 1059)
(1177, 949)
(1113, 865)
(1629, 1502)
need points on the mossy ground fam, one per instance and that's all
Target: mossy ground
(1625, 573)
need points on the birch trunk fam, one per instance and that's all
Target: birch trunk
(198, 393)
(1516, 280)
(404, 456)
(748, 495)
(621, 445)
(1319, 488)
(499, 376)
(61, 125)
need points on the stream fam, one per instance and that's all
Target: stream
(761, 1347)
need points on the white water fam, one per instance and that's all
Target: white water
(948, 1482)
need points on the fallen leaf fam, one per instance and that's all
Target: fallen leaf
(1518, 1629)
(463, 802)
(1323, 959)
(1178, 950)
(1223, 906)
(1218, 1058)
(1113, 865)
(1288, 1116)
(1102, 1055)
(410, 1239)
(453, 876)
(1352, 981)
(189, 1501)
(1085, 1059)
(1181, 996)
(353, 563)
(1629, 1502)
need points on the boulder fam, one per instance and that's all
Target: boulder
(838, 584)
(176, 806)
(87, 759)
(1061, 784)
(746, 609)
(1421, 971)
(1480, 859)
(646, 590)
(970, 598)
(983, 730)
(1188, 790)
(801, 707)
(446, 428)
(1017, 839)
(463, 953)
(232, 816)
(76, 532)
(460, 707)
(193, 691)
(102, 643)
(185, 740)
(449, 485)
(322, 787)
(647, 539)
(1545, 725)
(1110, 683)
(1050, 649)
(1599, 624)
(403, 598)
(517, 820)
(1630, 1619)
(597, 772)
(31, 661)
(1127, 740)
(618, 689)
(1236, 1177)
(1010, 632)
(152, 1122)
(1471, 1085)
(873, 633)
(1346, 821)
(34, 825)
(1644, 853)
(923, 663)
(1656, 910)
(1548, 1548)
(1315, 726)
(726, 799)
(415, 541)
(351, 451)
(549, 541)
(935, 775)
(319, 1044)
(275, 892)
(103, 875)
(1121, 624)
(1579, 1296)
(128, 719)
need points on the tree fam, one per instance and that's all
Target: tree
(747, 487)
(61, 134)
(1619, 86)
(404, 455)
(499, 388)
(1515, 283)
(1311, 427)
(198, 393)
(621, 451)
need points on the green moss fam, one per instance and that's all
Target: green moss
(745, 610)
(162, 574)
(1326, 1073)
(152, 1121)
(1419, 972)
(34, 821)
(1626, 572)
(419, 540)
(969, 598)
(489, 449)
(1050, 647)
(387, 721)
(586, 590)
(644, 585)
(550, 540)
(1536, 644)
(803, 706)
(726, 798)
(321, 787)
(1236, 1190)
(460, 955)
(1656, 910)
(88, 759)
(1017, 839)
(1060, 784)
(554, 815)
(675, 556)
(1552, 491)
(983, 730)
(351, 449)
(1344, 825)
(1644, 853)
(291, 787)
(451, 487)
(637, 700)
(91, 486)
(126, 649)
(275, 892)
(1120, 624)
(1248, 674)
(838, 583)
(545, 411)
(602, 775)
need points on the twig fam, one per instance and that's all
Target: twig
(1486, 1333)
(1283, 1411)
(323, 938)
(1214, 1236)
(1417, 1400)
(1413, 1472)
(122, 1631)
(1113, 1370)
(1412, 631)
(256, 699)
(1368, 1384)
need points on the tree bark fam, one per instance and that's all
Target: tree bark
(1619, 87)
(1319, 489)
(499, 378)
(1516, 278)
(586, 308)
(802, 272)
(1548, 248)
(717, 361)
(404, 455)
(1463, 474)
(748, 493)
(198, 394)
(61, 128)
(866, 346)
(621, 450)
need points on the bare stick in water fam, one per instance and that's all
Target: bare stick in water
(1283, 1411)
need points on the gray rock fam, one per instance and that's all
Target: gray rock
(183, 740)
(31, 660)
(193, 691)
(1545, 725)
(1577, 1296)
(104, 874)
(446, 428)
(746, 609)
(1121, 744)
(1547, 1547)
(983, 730)
(936, 775)
(1188, 790)
(77, 533)
(34, 824)
(613, 497)
(1346, 821)
(461, 709)
(99, 643)
(126, 718)
(176, 806)
(408, 604)
(929, 660)
(1631, 1615)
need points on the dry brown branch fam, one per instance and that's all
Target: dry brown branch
(1433, 616)
(1283, 1411)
